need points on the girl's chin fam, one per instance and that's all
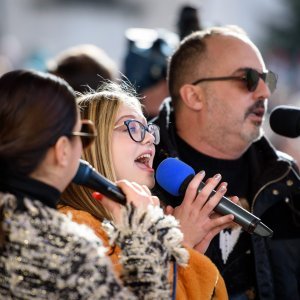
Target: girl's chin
(151, 185)
(149, 181)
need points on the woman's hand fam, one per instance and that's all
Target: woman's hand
(139, 195)
(198, 222)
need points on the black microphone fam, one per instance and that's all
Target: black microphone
(87, 176)
(285, 120)
(174, 176)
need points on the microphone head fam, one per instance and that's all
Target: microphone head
(82, 173)
(285, 120)
(171, 174)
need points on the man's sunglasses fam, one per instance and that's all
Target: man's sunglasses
(251, 78)
(87, 133)
(137, 130)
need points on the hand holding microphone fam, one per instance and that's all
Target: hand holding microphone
(198, 222)
(174, 176)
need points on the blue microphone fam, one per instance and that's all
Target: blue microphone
(174, 176)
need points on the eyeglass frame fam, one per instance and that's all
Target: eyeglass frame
(263, 76)
(143, 132)
(83, 135)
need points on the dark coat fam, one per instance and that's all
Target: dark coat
(275, 194)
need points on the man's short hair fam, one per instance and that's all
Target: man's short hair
(185, 64)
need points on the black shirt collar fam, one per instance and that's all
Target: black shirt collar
(22, 186)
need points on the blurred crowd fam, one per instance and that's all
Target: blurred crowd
(144, 66)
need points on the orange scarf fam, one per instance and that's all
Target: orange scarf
(200, 280)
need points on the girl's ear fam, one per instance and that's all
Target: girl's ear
(191, 96)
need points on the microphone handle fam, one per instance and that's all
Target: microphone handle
(107, 188)
(241, 216)
(87, 176)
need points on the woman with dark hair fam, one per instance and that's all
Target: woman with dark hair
(43, 254)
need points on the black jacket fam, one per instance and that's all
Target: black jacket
(275, 194)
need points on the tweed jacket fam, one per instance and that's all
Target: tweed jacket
(45, 255)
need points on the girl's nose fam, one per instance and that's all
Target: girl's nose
(149, 138)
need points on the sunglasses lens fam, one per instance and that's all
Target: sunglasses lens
(252, 77)
(88, 128)
(271, 81)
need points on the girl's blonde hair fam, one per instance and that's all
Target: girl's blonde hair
(100, 106)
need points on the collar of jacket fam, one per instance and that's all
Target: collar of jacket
(268, 164)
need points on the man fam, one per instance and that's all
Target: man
(219, 86)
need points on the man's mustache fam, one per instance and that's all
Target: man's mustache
(253, 108)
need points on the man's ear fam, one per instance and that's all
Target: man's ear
(191, 96)
(62, 151)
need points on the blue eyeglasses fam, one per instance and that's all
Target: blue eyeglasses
(137, 130)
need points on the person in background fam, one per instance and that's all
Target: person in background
(145, 63)
(84, 67)
(125, 149)
(43, 254)
(219, 87)
(188, 21)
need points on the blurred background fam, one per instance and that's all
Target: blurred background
(32, 32)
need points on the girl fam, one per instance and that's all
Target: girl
(125, 148)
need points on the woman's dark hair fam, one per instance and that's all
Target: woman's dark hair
(35, 110)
